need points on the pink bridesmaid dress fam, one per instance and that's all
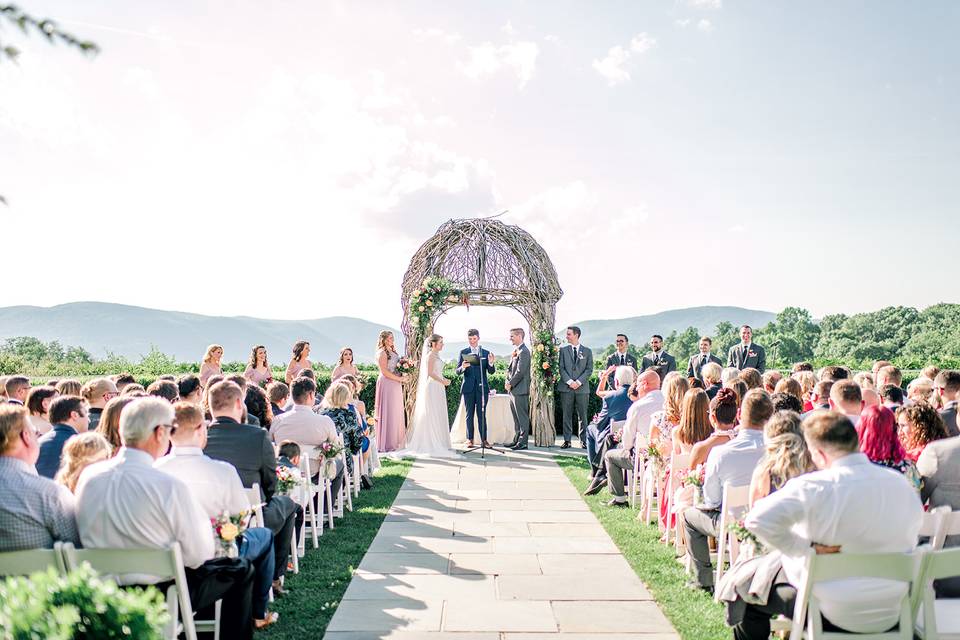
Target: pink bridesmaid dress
(389, 413)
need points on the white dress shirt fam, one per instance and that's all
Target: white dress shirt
(125, 503)
(733, 462)
(857, 505)
(215, 484)
(306, 428)
(639, 415)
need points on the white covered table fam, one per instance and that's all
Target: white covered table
(501, 421)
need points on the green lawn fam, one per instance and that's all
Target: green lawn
(325, 572)
(694, 614)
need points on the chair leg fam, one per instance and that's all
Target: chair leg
(294, 556)
(329, 501)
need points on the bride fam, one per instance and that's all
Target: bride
(429, 435)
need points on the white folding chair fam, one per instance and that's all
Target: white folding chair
(931, 523)
(949, 526)
(635, 476)
(900, 567)
(256, 505)
(28, 561)
(652, 492)
(357, 466)
(346, 495)
(164, 564)
(678, 471)
(736, 501)
(313, 511)
(938, 618)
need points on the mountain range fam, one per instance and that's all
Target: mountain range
(129, 331)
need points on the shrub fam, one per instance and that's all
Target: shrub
(78, 606)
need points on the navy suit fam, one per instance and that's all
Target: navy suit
(51, 448)
(474, 388)
(615, 407)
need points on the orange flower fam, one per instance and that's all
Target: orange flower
(546, 365)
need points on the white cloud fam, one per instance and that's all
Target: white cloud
(633, 216)
(447, 37)
(488, 58)
(682, 23)
(737, 228)
(706, 4)
(705, 25)
(611, 67)
(642, 43)
(552, 38)
(509, 29)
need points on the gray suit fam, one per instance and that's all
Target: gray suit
(696, 364)
(753, 358)
(519, 379)
(939, 465)
(664, 360)
(577, 368)
(949, 415)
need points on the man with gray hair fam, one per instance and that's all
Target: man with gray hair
(616, 402)
(728, 375)
(125, 503)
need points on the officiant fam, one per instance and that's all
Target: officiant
(474, 365)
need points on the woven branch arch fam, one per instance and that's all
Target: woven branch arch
(490, 264)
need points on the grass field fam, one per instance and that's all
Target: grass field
(325, 572)
(694, 614)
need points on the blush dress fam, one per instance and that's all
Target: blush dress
(388, 409)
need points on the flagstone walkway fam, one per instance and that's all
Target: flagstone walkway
(495, 549)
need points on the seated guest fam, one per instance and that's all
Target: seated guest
(939, 467)
(870, 397)
(723, 419)
(370, 459)
(664, 422)
(345, 365)
(807, 380)
(785, 455)
(135, 391)
(241, 382)
(336, 406)
(728, 375)
(740, 388)
(288, 455)
(121, 380)
(947, 386)
(877, 431)
(892, 396)
(249, 450)
(847, 506)
(694, 428)
(786, 402)
(69, 416)
(306, 428)
(801, 366)
(109, 426)
(917, 426)
(920, 390)
(820, 397)
(696, 383)
(3, 389)
(205, 405)
(752, 377)
(68, 387)
(125, 503)
(833, 373)
(165, 389)
(279, 393)
(190, 389)
(865, 380)
(616, 402)
(888, 375)
(81, 451)
(258, 405)
(649, 400)
(846, 397)
(97, 393)
(701, 359)
(771, 379)
(38, 404)
(711, 379)
(17, 389)
(791, 386)
(34, 511)
(877, 365)
(732, 463)
(216, 487)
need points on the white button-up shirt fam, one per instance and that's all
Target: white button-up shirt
(857, 505)
(215, 484)
(125, 503)
(733, 462)
(639, 415)
(306, 428)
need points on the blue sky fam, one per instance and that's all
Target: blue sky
(760, 154)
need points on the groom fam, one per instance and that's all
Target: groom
(475, 385)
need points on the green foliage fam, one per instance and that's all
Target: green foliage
(683, 345)
(45, 27)
(78, 606)
(790, 338)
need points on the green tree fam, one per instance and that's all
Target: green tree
(724, 336)
(682, 345)
(790, 338)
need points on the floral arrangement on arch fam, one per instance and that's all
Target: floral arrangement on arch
(432, 296)
(545, 352)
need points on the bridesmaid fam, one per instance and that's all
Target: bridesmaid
(345, 366)
(388, 403)
(299, 361)
(211, 363)
(258, 371)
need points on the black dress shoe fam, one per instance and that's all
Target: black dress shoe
(519, 447)
(514, 442)
(583, 445)
(595, 486)
(565, 445)
(365, 482)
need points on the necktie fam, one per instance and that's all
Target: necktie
(703, 360)
(623, 360)
(576, 353)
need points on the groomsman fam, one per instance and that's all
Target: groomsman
(658, 358)
(576, 365)
(747, 355)
(620, 357)
(698, 360)
(518, 385)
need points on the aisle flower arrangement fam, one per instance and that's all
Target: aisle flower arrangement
(287, 479)
(746, 537)
(226, 529)
(329, 451)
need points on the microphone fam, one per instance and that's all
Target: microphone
(775, 343)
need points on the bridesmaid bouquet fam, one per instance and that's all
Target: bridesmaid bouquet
(405, 366)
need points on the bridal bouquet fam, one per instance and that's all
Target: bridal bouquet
(226, 529)
(287, 479)
(405, 366)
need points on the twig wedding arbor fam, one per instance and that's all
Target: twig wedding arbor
(485, 262)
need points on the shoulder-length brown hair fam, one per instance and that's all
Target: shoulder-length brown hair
(694, 424)
(253, 356)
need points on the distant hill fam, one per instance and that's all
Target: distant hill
(597, 334)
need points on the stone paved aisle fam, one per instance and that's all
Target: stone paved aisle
(501, 549)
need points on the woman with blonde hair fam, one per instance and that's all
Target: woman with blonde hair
(786, 455)
(299, 361)
(662, 423)
(388, 402)
(345, 365)
(258, 370)
(79, 452)
(109, 425)
(69, 387)
(211, 363)
(807, 380)
(336, 406)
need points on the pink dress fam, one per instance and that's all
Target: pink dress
(256, 376)
(388, 409)
(207, 371)
(341, 371)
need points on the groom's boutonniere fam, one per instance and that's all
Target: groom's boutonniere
(751, 354)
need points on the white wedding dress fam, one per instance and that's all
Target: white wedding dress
(429, 434)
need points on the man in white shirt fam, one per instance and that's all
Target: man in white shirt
(217, 489)
(731, 463)
(125, 503)
(847, 398)
(850, 505)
